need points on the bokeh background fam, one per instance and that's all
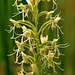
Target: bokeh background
(67, 8)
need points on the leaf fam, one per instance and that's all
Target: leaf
(27, 23)
(44, 26)
(42, 13)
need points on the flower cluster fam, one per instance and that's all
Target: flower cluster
(43, 52)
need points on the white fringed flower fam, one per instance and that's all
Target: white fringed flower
(24, 28)
(56, 20)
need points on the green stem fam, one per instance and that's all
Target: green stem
(37, 61)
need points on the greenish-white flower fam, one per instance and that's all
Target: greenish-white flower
(22, 6)
(56, 20)
(27, 32)
(19, 45)
(15, 23)
(44, 39)
(25, 57)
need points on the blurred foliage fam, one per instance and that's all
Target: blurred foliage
(67, 8)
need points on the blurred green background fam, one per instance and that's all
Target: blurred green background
(67, 8)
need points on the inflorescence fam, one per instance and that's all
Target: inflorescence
(43, 51)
